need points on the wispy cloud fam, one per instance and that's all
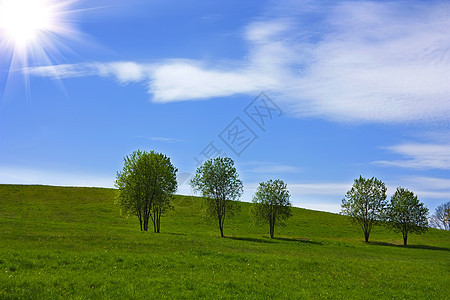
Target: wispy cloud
(434, 183)
(123, 71)
(429, 187)
(360, 61)
(420, 156)
(63, 71)
(173, 80)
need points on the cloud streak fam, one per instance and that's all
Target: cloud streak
(379, 63)
(421, 156)
(360, 61)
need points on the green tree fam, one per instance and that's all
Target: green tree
(365, 202)
(218, 181)
(272, 203)
(406, 214)
(146, 185)
(441, 217)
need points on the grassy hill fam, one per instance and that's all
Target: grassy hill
(59, 242)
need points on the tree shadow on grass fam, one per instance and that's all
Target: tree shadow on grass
(274, 240)
(298, 240)
(425, 247)
(248, 239)
(174, 233)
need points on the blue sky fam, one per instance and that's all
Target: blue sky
(350, 88)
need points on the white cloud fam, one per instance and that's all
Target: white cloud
(265, 32)
(358, 61)
(378, 64)
(431, 182)
(174, 80)
(125, 72)
(429, 187)
(433, 194)
(63, 71)
(181, 80)
(422, 156)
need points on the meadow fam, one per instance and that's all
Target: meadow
(69, 242)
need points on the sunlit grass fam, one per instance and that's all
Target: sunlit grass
(72, 243)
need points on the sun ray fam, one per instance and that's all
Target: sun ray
(34, 33)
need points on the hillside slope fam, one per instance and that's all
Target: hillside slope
(59, 242)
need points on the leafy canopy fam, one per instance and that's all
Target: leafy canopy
(146, 185)
(365, 202)
(272, 203)
(406, 214)
(218, 181)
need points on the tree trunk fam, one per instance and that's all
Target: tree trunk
(146, 216)
(145, 223)
(405, 239)
(272, 221)
(271, 227)
(154, 219)
(366, 236)
(158, 220)
(220, 219)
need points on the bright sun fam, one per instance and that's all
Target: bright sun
(34, 32)
(22, 21)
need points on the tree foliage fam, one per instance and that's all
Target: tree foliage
(146, 185)
(365, 202)
(441, 217)
(272, 203)
(218, 181)
(406, 214)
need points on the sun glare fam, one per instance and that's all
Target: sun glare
(24, 20)
(35, 33)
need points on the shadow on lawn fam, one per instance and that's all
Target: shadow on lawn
(425, 247)
(298, 240)
(271, 241)
(256, 240)
(174, 233)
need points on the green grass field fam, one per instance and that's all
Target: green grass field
(58, 242)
